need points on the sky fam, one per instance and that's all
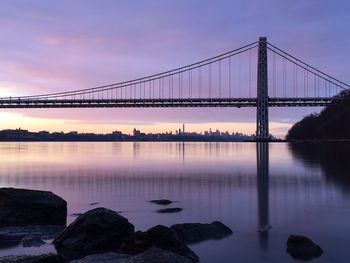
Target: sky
(50, 46)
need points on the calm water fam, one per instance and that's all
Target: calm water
(300, 189)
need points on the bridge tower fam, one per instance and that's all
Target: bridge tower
(262, 117)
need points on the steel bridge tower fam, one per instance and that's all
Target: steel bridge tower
(262, 117)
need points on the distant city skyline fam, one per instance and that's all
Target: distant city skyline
(137, 135)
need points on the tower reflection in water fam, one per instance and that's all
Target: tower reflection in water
(262, 163)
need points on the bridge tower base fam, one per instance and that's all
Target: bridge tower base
(262, 117)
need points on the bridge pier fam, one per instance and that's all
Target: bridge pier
(262, 117)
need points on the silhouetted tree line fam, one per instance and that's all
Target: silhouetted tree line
(332, 123)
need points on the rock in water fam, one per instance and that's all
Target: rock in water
(157, 255)
(301, 247)
(32, 241)
(21, 207)
(161, 237)
(161, 202)
(97, 230)
(170, 210)
(195, 232)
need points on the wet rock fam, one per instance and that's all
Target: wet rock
(47, 258)
(76, 214)
(152, 255)
(195, 232)
(301, 247)
(157, 255)
(32, 241)
(97, 230)
(163, 237)
(170, 210)
(158, 236)
(21, 207)
(11, 236)
(161, 202)
(95, 203)
(108, 257)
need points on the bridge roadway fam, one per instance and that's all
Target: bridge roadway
(150, 103)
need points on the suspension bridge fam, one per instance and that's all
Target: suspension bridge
(238, 78)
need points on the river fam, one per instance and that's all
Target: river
(294, 188)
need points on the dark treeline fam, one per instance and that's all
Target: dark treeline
(333, 123)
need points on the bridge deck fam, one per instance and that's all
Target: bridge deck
(150, 103)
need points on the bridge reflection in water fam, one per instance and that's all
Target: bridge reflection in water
(262, 164)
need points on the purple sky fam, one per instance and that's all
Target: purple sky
(66, 45)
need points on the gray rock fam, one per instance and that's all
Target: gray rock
(76, 214)
(195, 232)
(158, 236)
(32, 241)
(161, 202)
(10, 236)
(170, 210)
(108, 257)
(163, 237)
(157, 255)
(47, 258)
(152, 255)
(97, 230)
(21, 207)
(301, 247)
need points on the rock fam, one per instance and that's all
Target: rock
(157, 255)
(97, 230)
(96, 203)
(47, 258)
(108, 257)
(158, 236)
(301, 247)
(163, 237)
(10, 236)
(161, 202)
(21, 207)
(170, 210)
(152, 255)
(195, 232)
(76, 214)
(32, 241)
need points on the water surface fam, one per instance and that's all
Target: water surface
(295, 188)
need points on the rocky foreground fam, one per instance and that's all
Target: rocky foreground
(103, 235)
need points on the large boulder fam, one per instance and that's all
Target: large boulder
(195, 232)
(301, 247)
(158, 236)
(21, 207)
(97, 230)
